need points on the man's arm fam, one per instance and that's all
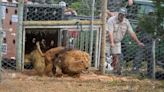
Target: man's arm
(111, 38)
(133, 35)
(110, 29)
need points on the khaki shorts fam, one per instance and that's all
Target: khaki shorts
(116, 49)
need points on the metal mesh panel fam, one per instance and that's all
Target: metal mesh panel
(80, 39)
(136, 60)
(80, 9)
(8, 19)
(40, 12)
(159, 59)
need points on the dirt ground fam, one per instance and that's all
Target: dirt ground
(88, 82)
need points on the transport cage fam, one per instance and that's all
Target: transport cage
(36, 12)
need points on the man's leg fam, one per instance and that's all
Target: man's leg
(116, 64)
(114, 61)
(116, 51)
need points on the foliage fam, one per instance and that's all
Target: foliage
(160, 16)
(75, 5)
(148, 24)
(154, 22)
(83, 7)
(80, 8)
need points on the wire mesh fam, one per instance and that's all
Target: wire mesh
(38, 12)
(79, 39)
(134, 60)
(8, 28)
(67, 10)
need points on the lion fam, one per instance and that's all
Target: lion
(38, 61)
(60, 60)
(49, 57)
(27, 61)
(72, 62)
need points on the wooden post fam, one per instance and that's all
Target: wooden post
(23, 48)
(154, 64)
(1, 37)
(96, 48)
(103, 38)
(91, 37)
(19, 34)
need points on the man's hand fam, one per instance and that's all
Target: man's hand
(130, 2)
(112, 45)
(141, 45)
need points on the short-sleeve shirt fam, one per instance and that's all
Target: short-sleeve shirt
(119, 28)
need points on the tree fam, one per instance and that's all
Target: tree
(153, 24)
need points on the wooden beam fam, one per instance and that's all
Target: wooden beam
(61, 22)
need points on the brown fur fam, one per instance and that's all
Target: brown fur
(37, 60)
(72, 62)
(62, 60)
(49, 57)
(27, 59)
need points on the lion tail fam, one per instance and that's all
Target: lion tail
(39, 49)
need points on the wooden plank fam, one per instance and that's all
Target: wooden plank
(61, 22)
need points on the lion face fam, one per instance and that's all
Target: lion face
(78, 66)
(74, 61)
(83, 65)
(79, 55)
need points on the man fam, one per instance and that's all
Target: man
(68, 12)
(117, 27)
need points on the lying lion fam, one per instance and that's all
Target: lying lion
(62, 60)
(72, 62)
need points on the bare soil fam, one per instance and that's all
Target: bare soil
(27, 81)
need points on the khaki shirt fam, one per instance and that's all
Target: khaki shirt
(119, 29)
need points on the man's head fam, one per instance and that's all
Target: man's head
(121, 14)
